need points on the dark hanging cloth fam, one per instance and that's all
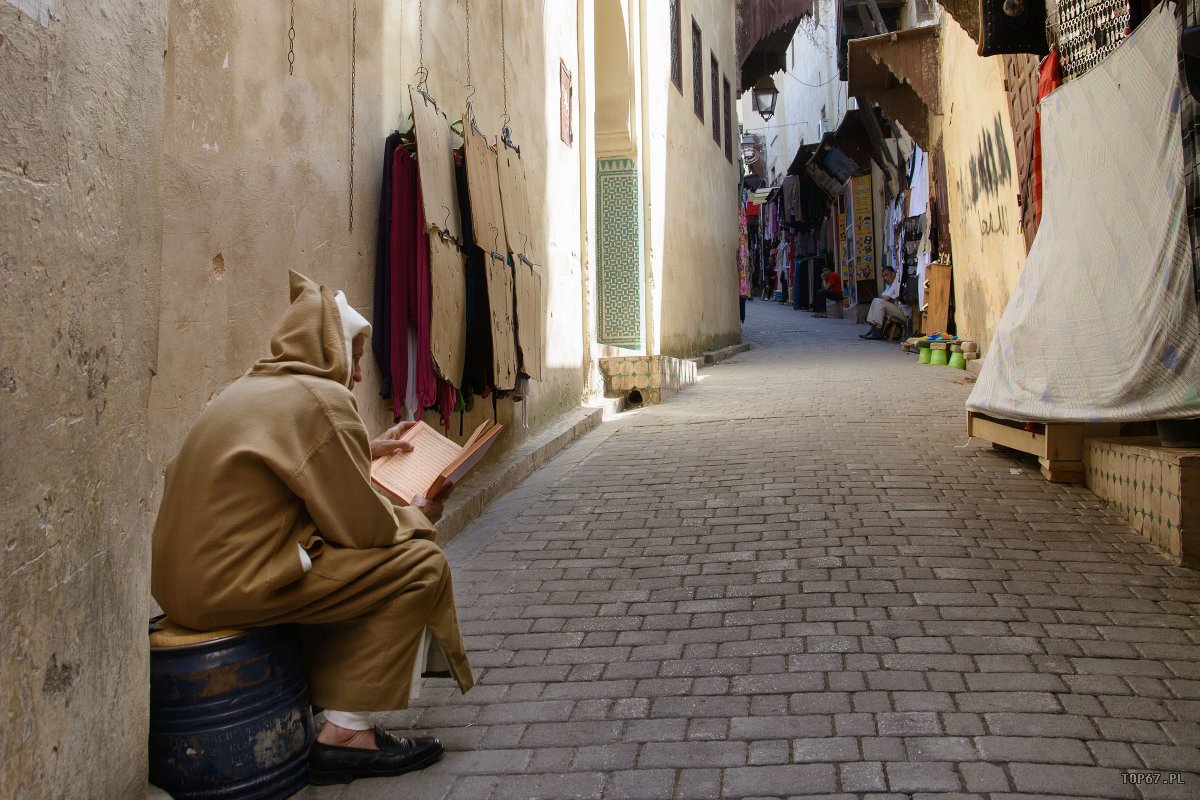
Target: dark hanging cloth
(381, 330)
(477, 366)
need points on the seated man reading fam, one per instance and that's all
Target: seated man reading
(269, 516)
(885, 307)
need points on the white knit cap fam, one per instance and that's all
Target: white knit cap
(353, 324)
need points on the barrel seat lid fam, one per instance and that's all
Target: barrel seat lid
(165, 633)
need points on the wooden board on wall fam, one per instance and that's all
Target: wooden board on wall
(500, 304)
(937, 298)
(483, 184)
(448, 333)
(439, 197)
(529, 318)
(515, 201)
(1021, 81)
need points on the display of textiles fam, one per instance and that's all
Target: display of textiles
(403, 293)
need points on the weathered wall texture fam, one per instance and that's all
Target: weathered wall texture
(985, 220)
(257, 175)
(80, 145)
(691, 187)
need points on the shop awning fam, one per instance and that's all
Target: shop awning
(899, 71)
(966, 13)
(803, 154)
(830, 167)
(764, 195)
(764, 30)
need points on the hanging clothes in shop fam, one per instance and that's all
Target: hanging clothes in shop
(783, 262)
(743, 255)
(405, 310)
(791, 198)
(1049, 79)
(381, 343)
(918, 200)
(477, 367)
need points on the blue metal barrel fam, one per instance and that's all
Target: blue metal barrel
(230, 717)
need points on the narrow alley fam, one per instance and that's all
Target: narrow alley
(800, 578)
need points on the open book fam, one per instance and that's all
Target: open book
(434, 464)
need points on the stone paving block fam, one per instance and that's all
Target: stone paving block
(1131, 730)
(940, 748)
(640, 784)
(780, 727)
(701, 784)
(692, 754)
(862, 776)
(575, 734)
(1033, 749)
(984, 777)
(910, 723)
(1070, 781)
(787, 780)
(1051, 725)
(574, 785)
(922, 777)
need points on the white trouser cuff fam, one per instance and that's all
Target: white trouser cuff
(351, 720)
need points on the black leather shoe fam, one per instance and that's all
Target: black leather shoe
(330, 764)
(872, 335)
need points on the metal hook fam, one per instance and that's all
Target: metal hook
(496, 237)
(446, 225)
(524, 241)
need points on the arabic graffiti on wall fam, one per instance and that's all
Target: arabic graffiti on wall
(989, 171)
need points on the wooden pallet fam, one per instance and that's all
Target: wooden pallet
(1058, 445)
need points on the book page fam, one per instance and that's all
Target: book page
(406, 475)
(474, 437)
(467, 460)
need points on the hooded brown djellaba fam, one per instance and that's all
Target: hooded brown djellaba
(280, 459)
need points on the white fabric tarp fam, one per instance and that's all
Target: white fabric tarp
(1103, 324)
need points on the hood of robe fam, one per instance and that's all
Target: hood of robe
(315, 334)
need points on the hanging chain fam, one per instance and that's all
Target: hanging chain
(422, 73)
(353, 81)
(504, 65)
(469, 87)
(292, 39)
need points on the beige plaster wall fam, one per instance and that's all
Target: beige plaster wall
(80, 159)
(257, 175)
(988, 246)
(691, 188)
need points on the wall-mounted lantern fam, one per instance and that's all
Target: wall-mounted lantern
(765, 94)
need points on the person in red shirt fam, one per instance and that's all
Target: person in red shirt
(832, 290)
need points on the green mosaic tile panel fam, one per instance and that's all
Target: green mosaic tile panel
(618, 252)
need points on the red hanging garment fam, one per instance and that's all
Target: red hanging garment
(1049, 79)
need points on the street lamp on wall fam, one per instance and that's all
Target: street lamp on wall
(765, 94)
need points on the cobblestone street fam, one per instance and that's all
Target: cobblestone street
(799, 578)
